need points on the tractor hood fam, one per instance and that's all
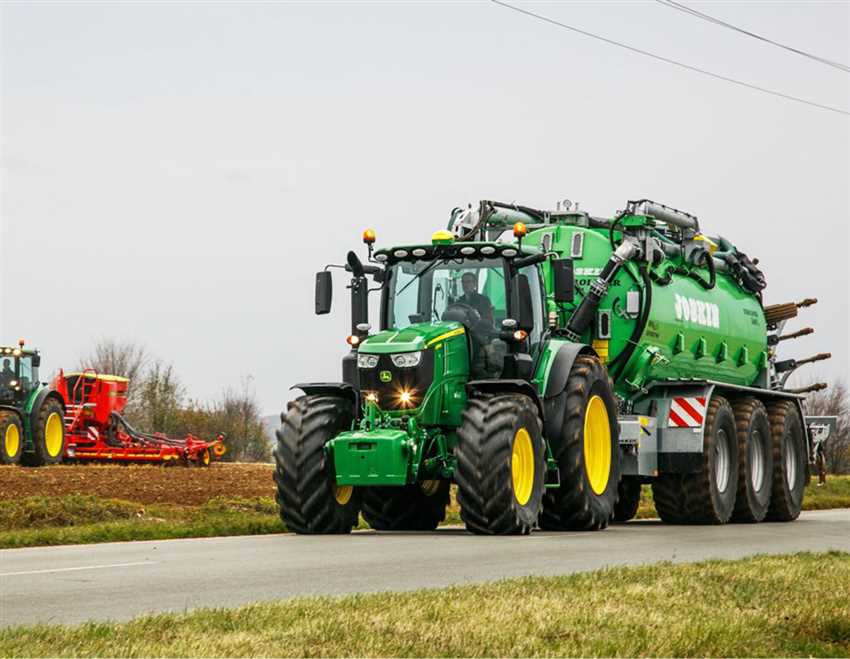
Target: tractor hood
(418, 336)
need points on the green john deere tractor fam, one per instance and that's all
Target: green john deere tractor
(32, 423)
(550, 363)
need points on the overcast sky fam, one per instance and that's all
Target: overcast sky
(174, 174)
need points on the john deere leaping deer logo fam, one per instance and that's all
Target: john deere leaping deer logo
(385, 376)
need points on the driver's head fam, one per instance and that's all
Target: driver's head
(469, 281)
(7, 365)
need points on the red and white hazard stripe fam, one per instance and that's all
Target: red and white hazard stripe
(93, 433)
(686, 412)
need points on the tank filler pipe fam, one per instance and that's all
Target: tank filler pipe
(586, 311)
(664, 213)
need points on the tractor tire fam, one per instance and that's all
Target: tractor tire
(710, 492)
(500, 465)
(628, 499)
(48, 435)
(417, 507)
(309, 499)
(669, 498)
(11, 438)
(789, 461)
(755, 460)
(587, 452)
(204, 458)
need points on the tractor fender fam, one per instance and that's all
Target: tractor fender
(38, 401)
(505, 387)
(555, 395)
(340, 389)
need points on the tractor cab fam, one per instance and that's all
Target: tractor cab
(491, 289)
(18, 373)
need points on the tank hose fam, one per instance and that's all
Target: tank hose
(708, 259)
(623, 358)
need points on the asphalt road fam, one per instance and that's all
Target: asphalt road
(71, 584)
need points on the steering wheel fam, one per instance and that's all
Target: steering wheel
(469, 317)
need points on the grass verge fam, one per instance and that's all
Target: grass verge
(83, 519)
(761, 606)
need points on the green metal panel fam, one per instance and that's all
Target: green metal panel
(377, 457)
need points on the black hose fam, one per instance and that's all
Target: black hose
(626, 353)
(712, 273)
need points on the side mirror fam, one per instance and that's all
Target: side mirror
(564, 280)
(524, 304)
(324, 292)
(36, 361)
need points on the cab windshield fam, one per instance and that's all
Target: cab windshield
(468, 290)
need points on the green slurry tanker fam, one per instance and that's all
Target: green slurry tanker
(549, 363)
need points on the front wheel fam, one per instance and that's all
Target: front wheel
(310, 501)
(500, 465)
(11, 438)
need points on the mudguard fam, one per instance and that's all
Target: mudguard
(499, 386)
(555, 396)
(341, 389)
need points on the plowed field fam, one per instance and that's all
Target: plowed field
(142, 483)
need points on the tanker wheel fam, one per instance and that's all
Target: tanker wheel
(789, 461)
(48, 435)
(587, 453)
(755, 460)
(500, 465)
(710, 492)
(669, 498)
(628, 499)
(417, 507)
(11, 438)
(309, 499)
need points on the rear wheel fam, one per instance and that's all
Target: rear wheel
(500, 465)
(11, 438)
(417, 507)
(789, 461)
(309, 499)
(628, 499)
(48, 434)
(755, 461)
(587, 453)
(204, 458)
(669, 497)
(710, 492)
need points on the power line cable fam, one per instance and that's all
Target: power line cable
(711, 19)
(661, 58)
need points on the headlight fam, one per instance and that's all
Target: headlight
(367, 361)
(407, 359)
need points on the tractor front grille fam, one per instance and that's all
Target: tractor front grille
(414, 381)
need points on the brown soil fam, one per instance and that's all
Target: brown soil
(141, 483)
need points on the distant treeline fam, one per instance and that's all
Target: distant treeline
(158, 402)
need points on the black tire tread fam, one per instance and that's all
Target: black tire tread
(573, 506)
(628, 499)
(483, 474)
(40, 457)
(745, 409)
(405, 508)
(303, 476)
(782, 508)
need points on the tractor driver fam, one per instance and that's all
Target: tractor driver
(471, 297)
(7, 374)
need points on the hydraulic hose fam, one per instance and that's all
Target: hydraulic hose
(708, 259)
(623, 358)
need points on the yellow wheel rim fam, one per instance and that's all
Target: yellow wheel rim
(12, 440)
(522, 466)
(342, 493)
(54, 435)
(206, 457)
(597, 444)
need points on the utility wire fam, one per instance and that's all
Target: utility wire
(661, 58)
(711, 19)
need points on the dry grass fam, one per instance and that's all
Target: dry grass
(764, 606)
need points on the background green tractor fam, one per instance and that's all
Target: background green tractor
(32, 423)
(549, 363)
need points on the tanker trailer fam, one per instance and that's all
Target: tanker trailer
(549, 363)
